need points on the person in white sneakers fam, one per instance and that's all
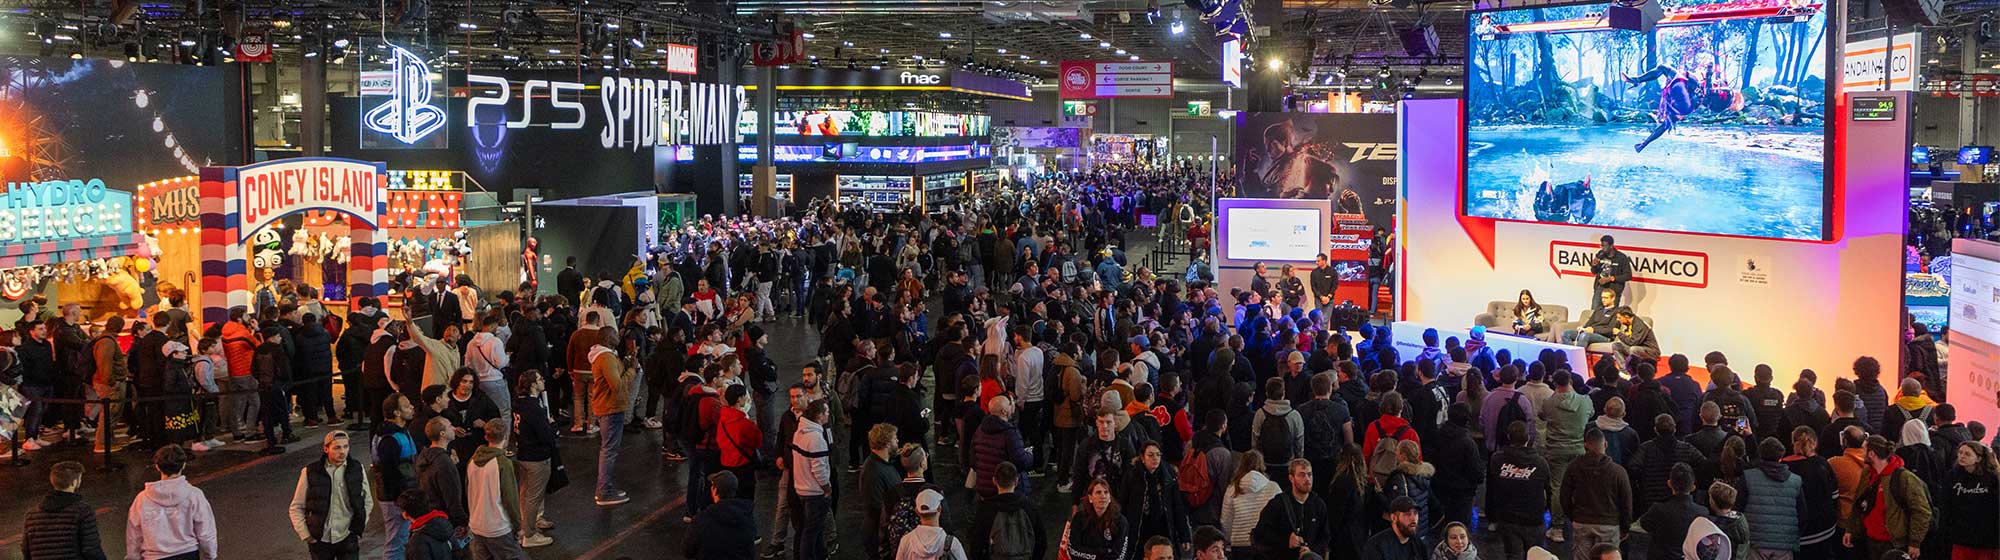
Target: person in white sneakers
(170, 519)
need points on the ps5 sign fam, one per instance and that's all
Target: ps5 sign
(631, 113)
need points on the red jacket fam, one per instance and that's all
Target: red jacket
(738, 438)
(1384, 427)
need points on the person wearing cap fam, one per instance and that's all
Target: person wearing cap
(1400, 541)
(727, 528)
(929, 541)
(1145, 365)
(1610, 269)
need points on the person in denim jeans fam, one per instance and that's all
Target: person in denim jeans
(610, 400)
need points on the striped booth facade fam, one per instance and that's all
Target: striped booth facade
(236, 202)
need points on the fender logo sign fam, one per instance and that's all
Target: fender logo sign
(1665, 267)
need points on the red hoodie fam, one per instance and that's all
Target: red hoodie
(737, 436)
(1384, 427)
(1878, 528)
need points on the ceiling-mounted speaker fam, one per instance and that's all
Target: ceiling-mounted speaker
(1641, 16)
(1420, 41)
(1913, 12)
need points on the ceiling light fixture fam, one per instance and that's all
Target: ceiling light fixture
(1085, 36)
(1103, 45)
(1177, 27)
(944, 34)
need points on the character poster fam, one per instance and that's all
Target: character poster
(1346, 157)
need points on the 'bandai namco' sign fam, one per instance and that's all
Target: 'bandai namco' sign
(268, 191)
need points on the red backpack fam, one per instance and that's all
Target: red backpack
(1195, 483)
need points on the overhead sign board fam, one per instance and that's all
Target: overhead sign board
(1109, 80)
(61, 209)
(1864, 62)
(1232, 63)
(397, 107)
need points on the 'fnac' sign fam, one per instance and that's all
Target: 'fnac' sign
(268, 191)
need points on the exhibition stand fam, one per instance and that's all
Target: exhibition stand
(1791, 303)
(240, 212)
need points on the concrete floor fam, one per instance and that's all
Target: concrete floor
(250, 493)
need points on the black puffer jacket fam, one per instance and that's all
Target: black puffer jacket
(313, 355)
(61, 527)
(1651, 465)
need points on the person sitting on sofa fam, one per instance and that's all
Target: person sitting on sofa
(1635, 337)
(1528, 318)
(1599, 327)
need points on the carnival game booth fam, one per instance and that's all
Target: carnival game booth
(244, 209)
(77, 235)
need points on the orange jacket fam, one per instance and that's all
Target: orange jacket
(240, 345)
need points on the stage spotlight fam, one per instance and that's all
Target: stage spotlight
(131, 52)
(341, 43)
(1177, 27)
(1384, 73)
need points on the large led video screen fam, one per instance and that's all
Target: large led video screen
(1715, 122)
(124, 122)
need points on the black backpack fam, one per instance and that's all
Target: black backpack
(1275, 439)
(1318, 417)
(1512, 411)
(1012, 536)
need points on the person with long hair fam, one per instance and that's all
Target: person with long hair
(1347, 504)
(1096, 531)
(1152, 499)
(1528, 317)
(1970, 511)
(1243, 502)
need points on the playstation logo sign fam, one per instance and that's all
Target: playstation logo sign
(406, 113)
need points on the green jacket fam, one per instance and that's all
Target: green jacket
(1908, 516)
(1567, 416)
(510, 488)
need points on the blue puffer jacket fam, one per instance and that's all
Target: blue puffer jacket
(998, 440)
(1772, 505)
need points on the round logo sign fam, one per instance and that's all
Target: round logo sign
(1077, 77)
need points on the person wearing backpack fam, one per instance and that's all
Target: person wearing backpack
(902, 516)
(1203, 473)
(107, 379)
(1389, 426)
(1893, 510)
(1328, 428)
(1007, 525)
(1503, 407)
(929, 541)
(1277, 429)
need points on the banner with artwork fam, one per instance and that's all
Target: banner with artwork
(1349, 159)
(1036, 137)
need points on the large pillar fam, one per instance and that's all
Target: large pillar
(312, 111)
(764, 177)
(713, 171)
(1968, 105)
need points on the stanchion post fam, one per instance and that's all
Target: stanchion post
(14, 445)
(105, 463)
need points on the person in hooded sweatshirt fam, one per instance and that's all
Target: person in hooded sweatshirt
(1210, 446)
(1596, 495)
(728, 529)
(1517, 491)
(1621, 440)
(1654, 462)
(1682, 391)
(170, 518)
(430, 529)
(1104, 454)
(437, 472)
(1816, 483)
(1151, 498)
(928, 541)
(1773, 503)
(1892, 511)
(62, 525)
(1564, 415)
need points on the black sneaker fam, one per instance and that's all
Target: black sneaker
(273, 450)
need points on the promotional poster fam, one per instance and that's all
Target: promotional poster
(1712, 123)
(1347, 158)
(123, 122)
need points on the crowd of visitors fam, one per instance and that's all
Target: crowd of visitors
(974, 367)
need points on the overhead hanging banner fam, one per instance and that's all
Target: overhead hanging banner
(1111, 80)
(268, 191)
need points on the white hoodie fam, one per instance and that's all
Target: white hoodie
(485, 355)
(170, 517)
(925, 542)
(1242, 504)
